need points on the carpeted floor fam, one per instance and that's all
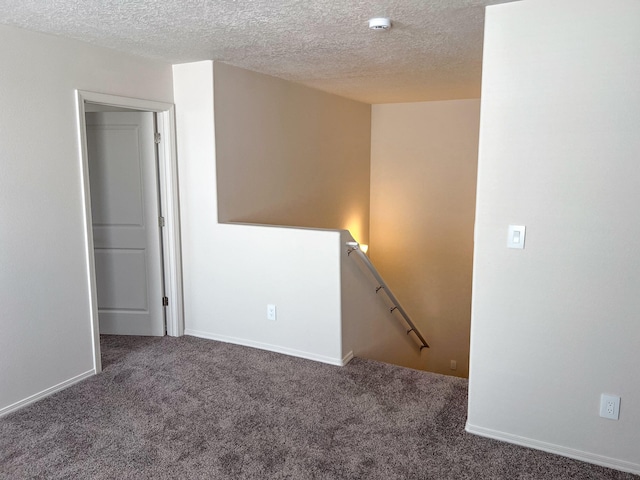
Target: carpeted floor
(187, 408)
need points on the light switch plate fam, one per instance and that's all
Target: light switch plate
(516, 236)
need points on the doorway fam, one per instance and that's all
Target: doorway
(131, 216)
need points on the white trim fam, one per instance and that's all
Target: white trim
(169, 205)
(267, 346)
(88, 233)
(347, 358)
(45, 393)
(124, 102)
(556, 449)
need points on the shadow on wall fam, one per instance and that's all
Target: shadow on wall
(287, 154)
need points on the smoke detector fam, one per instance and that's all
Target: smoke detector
(380, 23)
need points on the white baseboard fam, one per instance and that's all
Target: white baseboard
(556, 449)
(347, 358)
(45, 393)
(272, 348)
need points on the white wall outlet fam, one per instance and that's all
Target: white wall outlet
(454, 365)
(271, 312)
(610, 406)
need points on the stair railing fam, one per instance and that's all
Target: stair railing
(354, 247)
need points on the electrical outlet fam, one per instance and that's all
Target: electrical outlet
(454, 365)
(271, 312)
(610, 406)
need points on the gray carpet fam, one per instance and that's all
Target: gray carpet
(187, 408)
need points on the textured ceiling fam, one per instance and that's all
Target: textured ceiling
(433, 51)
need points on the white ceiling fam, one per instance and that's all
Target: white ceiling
(433, 51)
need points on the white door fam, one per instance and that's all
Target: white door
(126, 230)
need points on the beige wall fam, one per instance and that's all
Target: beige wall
(290, 155)
(46, 341)
(423, 183)
(557, 324)
(231, 272)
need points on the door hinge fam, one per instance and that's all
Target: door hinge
(161, 221)
(165, 301)
(157, 137)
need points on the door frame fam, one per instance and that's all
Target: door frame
(169, 206)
